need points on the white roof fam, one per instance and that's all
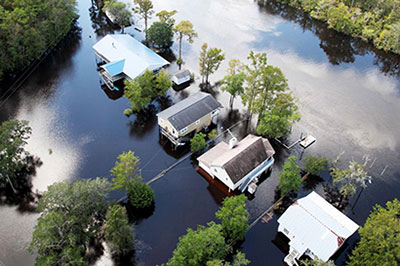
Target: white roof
(316, 225)
(138, 58)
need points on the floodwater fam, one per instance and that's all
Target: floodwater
(348, 96)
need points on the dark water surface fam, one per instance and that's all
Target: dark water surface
(348, 97)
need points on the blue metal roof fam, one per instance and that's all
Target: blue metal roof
(114, 68)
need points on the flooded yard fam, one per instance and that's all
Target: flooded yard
(348, 95)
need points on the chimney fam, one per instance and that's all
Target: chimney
(232, 143)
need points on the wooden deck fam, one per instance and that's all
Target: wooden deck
(217, 183)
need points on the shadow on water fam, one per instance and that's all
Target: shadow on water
(20, 193)
(339, 48)
(46, 75)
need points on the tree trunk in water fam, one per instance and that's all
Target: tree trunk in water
(145, 29)
(231, 102)
(180, 51)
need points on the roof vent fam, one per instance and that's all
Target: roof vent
(233, 142)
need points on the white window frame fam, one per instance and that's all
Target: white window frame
(183, 130)
(197, 122)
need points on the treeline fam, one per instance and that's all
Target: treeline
(374, 21)
(29, 27)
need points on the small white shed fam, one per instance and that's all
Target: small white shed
(181, 77)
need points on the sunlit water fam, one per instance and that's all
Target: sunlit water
(347, 93)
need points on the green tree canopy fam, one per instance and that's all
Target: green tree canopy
(279, 117)
(184, 29)
(198, 142)
(200, 246)
(126, 169)
(314, 164)
(117, 231)
(71, 215)
(163, 82)
(141, 91)
(167, 16)
(350, 178)
(119, 11)
(29, 27)
(210, 60)
(16, 164)
(234, 81)
(289, 178)
(267, 94)
(380, 237)
(144, 8)
(234, 218)
(160, 35)
(137, 95)
(140, 195)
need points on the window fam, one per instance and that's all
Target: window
(214, 112)
(183, 130)
(161, 120)
(197, 122)
(285, 231)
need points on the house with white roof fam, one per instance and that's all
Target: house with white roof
(315, 228)
(125, 58)
(187, 117)
(238, 164)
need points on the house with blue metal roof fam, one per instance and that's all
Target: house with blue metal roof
(124, 57)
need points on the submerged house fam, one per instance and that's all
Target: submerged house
(238, 164)
(182, 120)
(123, 57)
(315, 228)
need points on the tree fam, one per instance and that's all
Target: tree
(350, 178)
(198, 142)
(289, 178)
(167, 16)
(117, 231)
(144, 9)
(163, 82)
(126, 169)
(233, 82)
(234, 218)
(137, 96)
(200, 246)
(140, 91)
(119, 12)
(140, 195)
(240, 260)
(184, 29)
(279, 117)
(31, 27)
(380, 237)
(317, 262)
(160, 35)
(314, 165)
(213, 134)
(16, 164)
(210, 60)
(253, 83)
(71, 215)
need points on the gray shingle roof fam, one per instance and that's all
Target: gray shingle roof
(189, 110)
(244, 162)
(182, 74)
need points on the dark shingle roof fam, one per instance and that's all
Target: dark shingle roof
(189, 110)
(182, 74)
(244, 162)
